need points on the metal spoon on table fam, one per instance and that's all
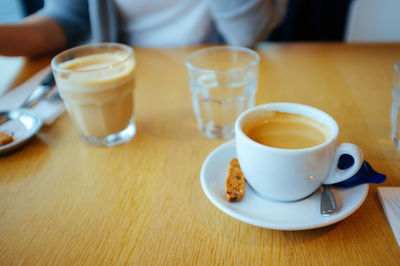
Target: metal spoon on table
(328, 201)
(37, 94)
(21, 123)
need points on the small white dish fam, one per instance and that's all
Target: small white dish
(258, 211)
(22, 125)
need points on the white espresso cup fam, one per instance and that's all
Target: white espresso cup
(288, 174)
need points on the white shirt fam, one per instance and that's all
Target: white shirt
(160, 23)
(154, 23)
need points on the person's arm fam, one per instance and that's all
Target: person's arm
(60, 24)
(246, 22)
(34, 36)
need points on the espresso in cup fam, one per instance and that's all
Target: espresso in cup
(287, 150)
(286, 130)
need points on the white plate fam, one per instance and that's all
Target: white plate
(22, 125)
(298, 215)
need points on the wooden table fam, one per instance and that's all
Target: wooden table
(141, 203)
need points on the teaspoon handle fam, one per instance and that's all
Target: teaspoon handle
(40, 91)
(328, 202)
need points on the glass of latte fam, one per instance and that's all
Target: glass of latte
(97, 83)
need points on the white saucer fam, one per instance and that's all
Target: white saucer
(22, 125)
(298, 215)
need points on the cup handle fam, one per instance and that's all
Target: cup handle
(337, 175)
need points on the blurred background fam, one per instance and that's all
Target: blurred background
(15, 10)
(12, 11)
(305, 20)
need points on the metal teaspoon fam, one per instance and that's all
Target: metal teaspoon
(37, 94)
(328, 201)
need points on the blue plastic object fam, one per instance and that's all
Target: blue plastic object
(365, 175)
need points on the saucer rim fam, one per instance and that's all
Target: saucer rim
(323, 222)
(37, 123)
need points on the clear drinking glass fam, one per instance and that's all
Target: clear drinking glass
(223, 82)
(96, 82)
(396, 105)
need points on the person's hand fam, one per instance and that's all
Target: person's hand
(34, 36)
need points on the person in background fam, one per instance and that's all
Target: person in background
(148, 23)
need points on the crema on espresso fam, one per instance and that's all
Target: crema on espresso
(286, 130)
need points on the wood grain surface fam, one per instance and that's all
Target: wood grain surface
(141, 203)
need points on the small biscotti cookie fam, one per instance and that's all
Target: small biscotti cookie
(235, 183)
(5, 138)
